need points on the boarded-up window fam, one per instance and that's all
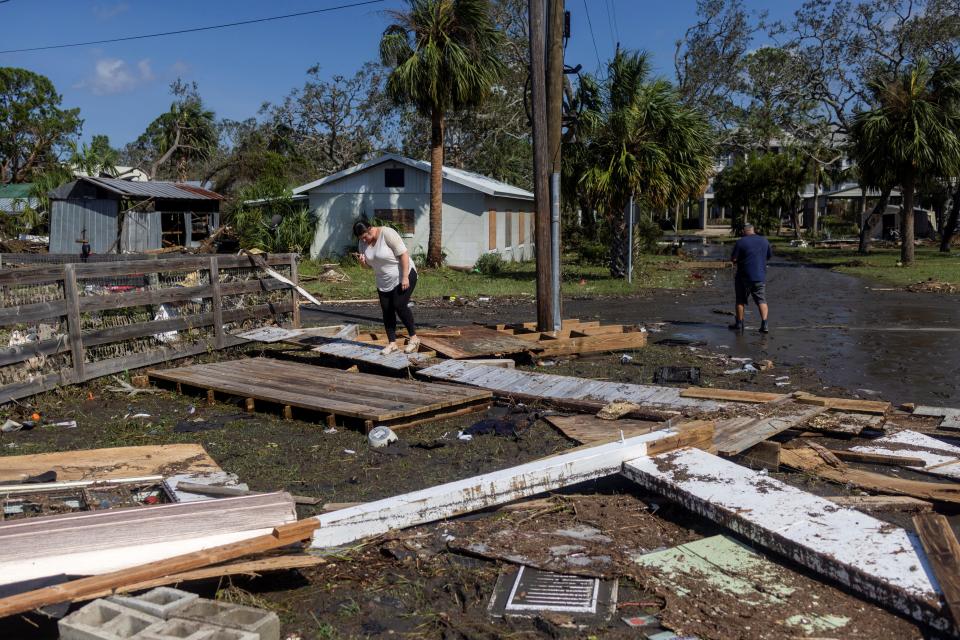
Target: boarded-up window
(492, 230)
(393, 178)
(403, 218)
(508, 229)
(522, 236)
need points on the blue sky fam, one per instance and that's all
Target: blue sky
(121, 87)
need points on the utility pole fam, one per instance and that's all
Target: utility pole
(541, 164)
(554, 132)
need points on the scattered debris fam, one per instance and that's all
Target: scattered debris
(676, 375)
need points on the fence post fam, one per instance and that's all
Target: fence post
(72, 300)
(220, 339)
(295, 278)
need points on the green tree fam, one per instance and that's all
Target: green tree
(443, 57)
(184, 134)
(34, 130)
(640, 141)
(762, 187)
(96, 158)
(913, 130)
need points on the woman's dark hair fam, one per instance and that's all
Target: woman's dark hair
(360, 227)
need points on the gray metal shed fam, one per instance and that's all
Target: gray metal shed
(121, 216)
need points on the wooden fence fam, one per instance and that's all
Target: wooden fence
(68, 323)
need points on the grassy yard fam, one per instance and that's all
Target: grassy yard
(516, 280)
(881, 263)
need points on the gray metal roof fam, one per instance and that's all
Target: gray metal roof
(137, 189)
(469, 179)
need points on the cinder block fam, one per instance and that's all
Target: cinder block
(179, 629)
(265, 624)
(161, 602)
(104, 620)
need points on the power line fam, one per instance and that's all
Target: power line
(193, 29)
(616, 23)
(592, 36)
(613, 39)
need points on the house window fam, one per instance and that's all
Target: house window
(403, 218)
(393, 178)
(508, 229)
(523, 228)
(492, 230)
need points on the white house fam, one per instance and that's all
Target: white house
(480, 215)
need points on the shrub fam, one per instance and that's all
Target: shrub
(594, 252)
(489, 264)
(646, 235)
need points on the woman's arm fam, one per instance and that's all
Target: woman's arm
(405, 271)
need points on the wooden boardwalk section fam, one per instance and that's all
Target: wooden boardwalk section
(369, 400)
(591, 394)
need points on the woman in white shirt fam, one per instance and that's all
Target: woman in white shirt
(382, 249)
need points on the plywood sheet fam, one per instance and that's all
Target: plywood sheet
(117, 462)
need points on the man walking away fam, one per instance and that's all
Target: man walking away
(750, 255)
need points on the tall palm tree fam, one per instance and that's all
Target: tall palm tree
(443, 58)
(642, 141)
(912, 130)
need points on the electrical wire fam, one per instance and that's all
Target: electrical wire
(613, 39)
(592, 36)
(616, 24)
(194, 29)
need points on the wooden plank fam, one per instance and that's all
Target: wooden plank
(592, 344)
(294, 296)
(351, 524)
(46, 348)
(882, 503)
(116, 462)
(216, 296)
(763, 455)
(845, 404)
(876, 458)
(82, 588)
(588, 429)
(475, 341)
(70, 296)
(910, 448)
(874, 559)
(845, 423)
(809, 461)
(943, 552)
(732, 395)
(730, 444)
(30, 313)
(357, 352)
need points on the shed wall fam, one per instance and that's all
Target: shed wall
(68, 219)
(141, 231)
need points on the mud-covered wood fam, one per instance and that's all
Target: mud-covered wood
(943, 552)
(357, 396)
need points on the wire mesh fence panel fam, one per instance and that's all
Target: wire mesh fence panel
(126, 314)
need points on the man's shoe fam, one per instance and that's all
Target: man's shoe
(763, 327)
(736, 326)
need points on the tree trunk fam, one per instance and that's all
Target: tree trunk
(618, 241)
(906, 222)
(950, 227)
(435, 240)
(816, 199)
(867, 226)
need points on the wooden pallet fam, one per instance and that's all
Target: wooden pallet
(342, 396)
(576, 337)
(473, 341)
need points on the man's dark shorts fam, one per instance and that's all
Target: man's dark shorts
(746, 288)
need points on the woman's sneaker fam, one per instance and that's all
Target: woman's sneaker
(390, 348)
(412, 345)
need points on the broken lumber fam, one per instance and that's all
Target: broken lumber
(734, 436)
(876, 458)
(348, 525)
(873, 558)
(882, 503)
(85, 588)
(943, 552)
(587, 429)
(935, 457)
(809, 461)
(844, 404)
(732, 395)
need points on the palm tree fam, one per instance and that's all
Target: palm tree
(640, 140)
(443, 56)
(912, 131)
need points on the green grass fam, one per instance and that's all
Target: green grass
(880, 264)
(516, 280)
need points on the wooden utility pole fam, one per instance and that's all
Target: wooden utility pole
(554, 131)
(541, 163)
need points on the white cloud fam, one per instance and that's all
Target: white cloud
(180, 68)
(107, 11)
(114, 75)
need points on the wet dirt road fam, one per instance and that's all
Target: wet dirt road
(903, 346)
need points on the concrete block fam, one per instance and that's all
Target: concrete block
(104, 620)
(265, 624)
(179, 629)
(161, 602)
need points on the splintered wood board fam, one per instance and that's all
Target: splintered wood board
(846, 423)
(116, 462)
(588, 429)
(358, 396)
(940, 458)
(873, 558)
(809, 461)
(721, 567)
(732, 395)
(883, 503)
(532, 386)
(576, 337)
(359, 352)
(350, 524)
(943, 552)
(845, 404)
(736, 435)
(474, 342)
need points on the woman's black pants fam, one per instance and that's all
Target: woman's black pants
(396, 302)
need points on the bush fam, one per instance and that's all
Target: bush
(646, 235)
(489, 264)
(593, 252)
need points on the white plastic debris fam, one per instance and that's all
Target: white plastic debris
(381, 437)
(466, 437)
(10, 426)
(625, 358)
(350, 451)
(330, 430)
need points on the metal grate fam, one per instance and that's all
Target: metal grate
(535, 590)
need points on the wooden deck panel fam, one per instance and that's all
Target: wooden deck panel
(473, 342)
(349, 395)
